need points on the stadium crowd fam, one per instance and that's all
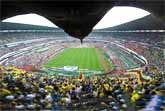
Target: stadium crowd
(33, 53)
(35, 58)
(9, 37)
(38, 90)
(15, 46)
(156, 62)
(22, 90)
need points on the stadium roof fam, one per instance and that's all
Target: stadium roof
(17, 26)
(79, 17)
(146, 23)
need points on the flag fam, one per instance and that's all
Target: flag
(142, 77)
(81, 76)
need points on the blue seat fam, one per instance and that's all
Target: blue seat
(163, 101)
(159, 104)
(156, 108)
(140, 103)
(147, 96)
(160, 97)
(162, 85)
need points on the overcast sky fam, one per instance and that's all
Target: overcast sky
(116, 16)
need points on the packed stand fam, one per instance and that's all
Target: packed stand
(22, 90)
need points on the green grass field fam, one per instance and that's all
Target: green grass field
(84, 58)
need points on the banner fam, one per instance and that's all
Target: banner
(71, 68)
(142, 77)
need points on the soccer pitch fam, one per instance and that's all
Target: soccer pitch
(84, 58)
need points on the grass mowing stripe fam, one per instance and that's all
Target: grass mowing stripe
(84, 58)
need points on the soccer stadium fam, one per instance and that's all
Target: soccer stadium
(74, 65)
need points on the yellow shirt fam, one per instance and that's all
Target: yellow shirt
(106, 86)
(49, 88)
(135, 97)
(5, 92)
(101, 94)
